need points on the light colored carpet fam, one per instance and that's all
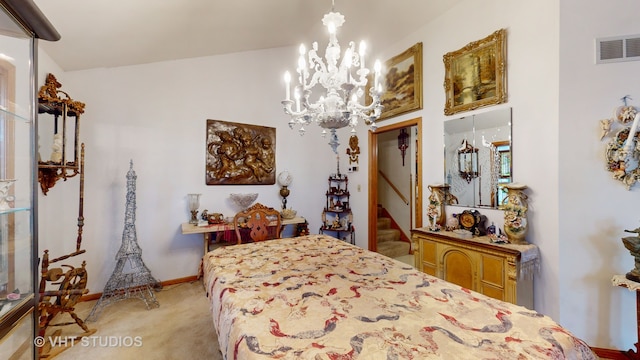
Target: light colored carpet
(407, 259)
(181, 328)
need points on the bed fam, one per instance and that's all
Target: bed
(317, 297)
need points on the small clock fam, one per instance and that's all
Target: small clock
(472, 220)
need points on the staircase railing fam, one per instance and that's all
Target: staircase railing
(395, 188)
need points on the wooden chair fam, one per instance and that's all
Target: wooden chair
(259, 222)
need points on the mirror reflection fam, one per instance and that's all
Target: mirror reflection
(477, 154)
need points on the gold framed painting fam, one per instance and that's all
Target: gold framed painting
(476, 75)
(402, 83)
(240, 154)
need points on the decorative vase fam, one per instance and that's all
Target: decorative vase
(436, 210)
(515, 213)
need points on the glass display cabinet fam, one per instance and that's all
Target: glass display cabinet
(21, 25)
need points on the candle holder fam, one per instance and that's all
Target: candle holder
(194, 204)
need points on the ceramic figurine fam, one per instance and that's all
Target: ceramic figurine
(605, 125)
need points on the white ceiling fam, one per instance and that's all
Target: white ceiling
(110, 33)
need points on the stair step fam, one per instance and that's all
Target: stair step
(384, 223)
(386, 235)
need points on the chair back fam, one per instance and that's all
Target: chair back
(258, 223)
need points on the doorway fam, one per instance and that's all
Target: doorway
(375, 177)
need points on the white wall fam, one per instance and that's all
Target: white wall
(155, 114)
(594, 208)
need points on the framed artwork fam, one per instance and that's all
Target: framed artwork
(240, 154)
(402, 83)
(475, 75)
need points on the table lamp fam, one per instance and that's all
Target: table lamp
(284, 179)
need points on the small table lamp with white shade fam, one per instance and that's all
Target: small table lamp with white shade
(284, 179)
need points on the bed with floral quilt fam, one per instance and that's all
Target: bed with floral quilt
(317, 297)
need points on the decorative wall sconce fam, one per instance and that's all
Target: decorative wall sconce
(467, 161)
(403, 142)
(58, 103)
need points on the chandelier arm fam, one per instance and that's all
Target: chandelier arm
(371, 106)
(288, 108)
(311, 107)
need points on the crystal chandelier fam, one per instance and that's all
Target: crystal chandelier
(344, 81)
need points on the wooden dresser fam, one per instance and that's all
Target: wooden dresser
(495, 270)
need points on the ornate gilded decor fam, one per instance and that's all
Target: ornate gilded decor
(402, 83)
(60, 290)
(240, 154)
(63, 162)
(476, 74)
(472, 221)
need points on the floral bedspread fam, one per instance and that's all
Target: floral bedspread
(316, 297)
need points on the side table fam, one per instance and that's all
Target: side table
(622, 281)
(218, 229)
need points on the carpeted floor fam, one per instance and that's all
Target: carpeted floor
(181, 328)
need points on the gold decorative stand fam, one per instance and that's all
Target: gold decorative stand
(61, 290)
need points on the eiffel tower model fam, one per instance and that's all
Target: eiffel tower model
(131, 277)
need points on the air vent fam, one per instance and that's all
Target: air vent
(617, 49)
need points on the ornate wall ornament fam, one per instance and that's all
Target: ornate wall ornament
(354, 149)
(240, 154)
(623, 152)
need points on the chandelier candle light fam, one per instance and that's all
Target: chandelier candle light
(343, 103)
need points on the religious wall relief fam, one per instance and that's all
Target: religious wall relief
(240, 154)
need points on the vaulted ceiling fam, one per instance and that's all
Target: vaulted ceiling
(110, 33)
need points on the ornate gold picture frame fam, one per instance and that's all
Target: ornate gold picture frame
(476, 75)
(240, 154)
(402, 83)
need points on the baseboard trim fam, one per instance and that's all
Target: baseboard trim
(192, 278)
(611, 354)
